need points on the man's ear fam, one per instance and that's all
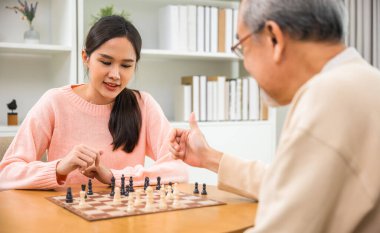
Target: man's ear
(84, 56)
(276, 37)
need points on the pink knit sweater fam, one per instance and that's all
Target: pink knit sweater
(61, 119)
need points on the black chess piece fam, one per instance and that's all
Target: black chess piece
(122, 190)
(89, 191)
(131, 189)
(83, 186)
(126, 191)
(204, 192)
(69, 195)
(196, 190)
(146, 182)
(171, 186)
(158, 186)
(112, 187)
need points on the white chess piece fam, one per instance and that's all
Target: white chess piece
(117, 196)
(130, 207)
(169, 195)
(82, 200)
(149, 199)
(137, 197)
(176, 203)
(162, 204)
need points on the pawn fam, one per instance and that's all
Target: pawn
(131, 189)
(162, 205)
(69, 196)
(137, 197)
(89, 191)
(196, 190)
(204, 192)
(117, 196)
(130, 207)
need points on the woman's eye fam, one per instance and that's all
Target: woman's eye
(106, 63)
(126, 66)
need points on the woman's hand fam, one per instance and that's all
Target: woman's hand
(80, 156)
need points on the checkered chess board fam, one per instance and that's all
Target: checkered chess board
(100, 205)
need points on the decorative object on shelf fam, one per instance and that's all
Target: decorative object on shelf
(28, 11)
(107, 11)
(12, 116)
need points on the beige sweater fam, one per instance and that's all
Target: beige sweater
(326, 174)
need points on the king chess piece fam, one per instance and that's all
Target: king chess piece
(112, 186)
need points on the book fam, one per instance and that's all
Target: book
(193, 81)
(192, 28)
(222, 30)
(183, 103)
(169, 27)
(200, 28)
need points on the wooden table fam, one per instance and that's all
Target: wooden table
(29, 211)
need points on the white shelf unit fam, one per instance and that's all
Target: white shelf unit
(28, 70)
(159, 72)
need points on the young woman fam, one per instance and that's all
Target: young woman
(99, 129)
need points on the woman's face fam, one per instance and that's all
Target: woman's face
(110, 67)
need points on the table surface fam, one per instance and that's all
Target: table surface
(30, 211)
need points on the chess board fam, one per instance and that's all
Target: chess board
(100, 205)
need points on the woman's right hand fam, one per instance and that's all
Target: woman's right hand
(80, 156)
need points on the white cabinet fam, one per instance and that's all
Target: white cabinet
(28, 70)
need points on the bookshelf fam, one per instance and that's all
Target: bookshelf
(28, 70)
(56, 61)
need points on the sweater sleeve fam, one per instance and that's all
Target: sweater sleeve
(307, 178)
(157, 148)
(241, 177)
(20, 167)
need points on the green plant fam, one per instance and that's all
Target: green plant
(107, 11)
(28, 11)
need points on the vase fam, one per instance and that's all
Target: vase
(31, 36)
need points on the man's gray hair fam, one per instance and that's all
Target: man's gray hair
(309, 20)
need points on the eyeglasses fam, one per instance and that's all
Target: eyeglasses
(238, 48)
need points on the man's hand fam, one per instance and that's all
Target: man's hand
(191, 147)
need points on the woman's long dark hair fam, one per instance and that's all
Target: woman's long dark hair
(125, 119)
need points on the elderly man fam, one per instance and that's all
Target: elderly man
(325, 176)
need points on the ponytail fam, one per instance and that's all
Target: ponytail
(125, 120)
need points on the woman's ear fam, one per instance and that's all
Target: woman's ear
(277, 40)
(85, 58)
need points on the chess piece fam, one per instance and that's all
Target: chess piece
(12, 116)
(204, 192)
(130, 207)
(137, 198)
(149, 199)
(112, 186)
(89, 191)
(146, 182)
(162, 205)
(169, 192)
(126, 191)
(131, 189)
(82, 199)
(117, 196)
(176, 198)
(196, 190)
(122, 191)
(69, 195)
(83, 187)
(158, 186)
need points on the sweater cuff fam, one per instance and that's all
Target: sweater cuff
(49, 177)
